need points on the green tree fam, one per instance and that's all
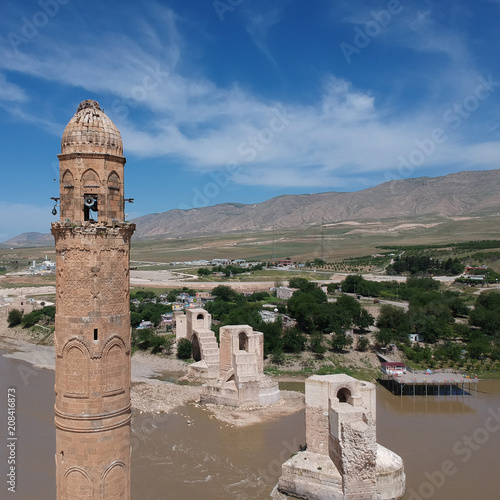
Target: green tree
(480, 346)
(302, 284)
(184, 348)
(143, 295)
(226, 293)
(14, 318)
(363, 344)
(45, 314)
(365, 320)
(340, 341)
(486, 313)
(293, 340)
(395, 320)
(385, 336)
(273, 340)
(303, 306)
(258, 297)
(351, 283)
(317, 344)
(135, 319)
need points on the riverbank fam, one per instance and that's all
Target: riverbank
(148, 393)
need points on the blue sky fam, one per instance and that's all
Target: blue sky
(242, 100)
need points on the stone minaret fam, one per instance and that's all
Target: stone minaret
(92, 336)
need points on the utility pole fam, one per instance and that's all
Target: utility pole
(274, 248)
(322, 239)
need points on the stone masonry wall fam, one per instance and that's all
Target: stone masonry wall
(92, 342)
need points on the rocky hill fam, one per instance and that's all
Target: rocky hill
(29, 240)
(463, 193)
(469, 193)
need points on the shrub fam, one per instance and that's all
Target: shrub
(14, 318)
(277, 357)
(317, 345)
(46, 313)
(184, 348)
(363, 344)
(160, 343)
(293, 341)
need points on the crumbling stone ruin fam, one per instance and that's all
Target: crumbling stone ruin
(234, 371)
(342, 460)
(195, 326)
(241, 380)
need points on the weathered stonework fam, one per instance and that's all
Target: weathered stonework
(195, 326)
(241, 380)
(92, 335)
(343, 460)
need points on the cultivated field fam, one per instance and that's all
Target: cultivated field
(332, 243)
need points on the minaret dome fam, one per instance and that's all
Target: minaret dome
(91, 131)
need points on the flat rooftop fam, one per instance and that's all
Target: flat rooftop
(433, 378)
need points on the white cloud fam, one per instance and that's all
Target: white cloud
(258, 27)
(11, 92)
(163, 110)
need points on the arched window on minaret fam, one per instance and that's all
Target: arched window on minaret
(90, 188)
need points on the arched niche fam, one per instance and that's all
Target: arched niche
(200, 320)
(196, 348)
(113, 182)
(90, 179)
(114, 484)
(114, 359)
(243, 341)
(344, 395)
(78, 485)
(67, 179)
(76, 360)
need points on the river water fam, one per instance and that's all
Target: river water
(449, 445)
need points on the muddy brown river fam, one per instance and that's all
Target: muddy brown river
(450, 445)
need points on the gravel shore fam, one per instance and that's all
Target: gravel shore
(148, 393)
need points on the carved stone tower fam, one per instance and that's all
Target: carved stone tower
(92, 336)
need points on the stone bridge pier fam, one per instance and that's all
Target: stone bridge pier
(343, 460)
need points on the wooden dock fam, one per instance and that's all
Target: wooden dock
(432, 384)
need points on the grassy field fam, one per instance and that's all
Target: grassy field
(339, 241)
(27, 281)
